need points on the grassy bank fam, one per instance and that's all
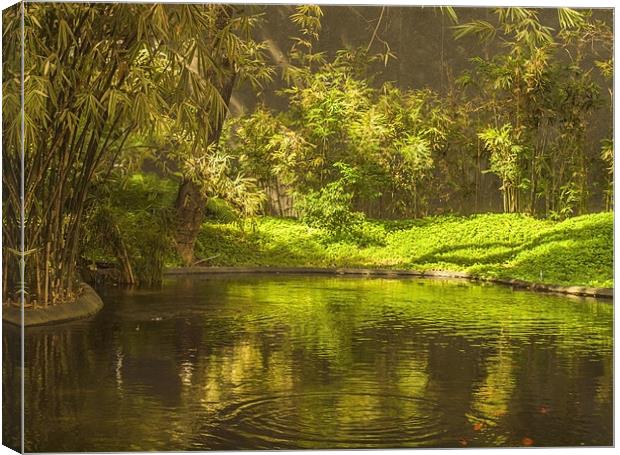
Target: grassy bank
(577, 251)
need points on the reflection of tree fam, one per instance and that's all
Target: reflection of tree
(52, 368)
(11, 387)
(189, 365)
(604, 388)
(491, 399)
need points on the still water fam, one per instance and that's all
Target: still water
(265, 362)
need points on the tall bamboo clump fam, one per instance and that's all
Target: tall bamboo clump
(11, 152)
(93, 75)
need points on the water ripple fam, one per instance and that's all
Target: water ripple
(356, 419)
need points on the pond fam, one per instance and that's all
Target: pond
(265, 362)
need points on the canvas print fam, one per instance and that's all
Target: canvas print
(263, 227)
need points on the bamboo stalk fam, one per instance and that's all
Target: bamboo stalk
(47, 275)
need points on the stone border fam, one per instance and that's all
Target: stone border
(87, 304)
(607, 293)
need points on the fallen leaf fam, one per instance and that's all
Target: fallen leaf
(463, 442)
(478, 426)
(527, 441)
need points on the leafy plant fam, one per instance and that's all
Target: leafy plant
(539, 82)
(505, 162)
(330, 208)
(94, 74)
(129, 221)
(607, 155)
(576, 251)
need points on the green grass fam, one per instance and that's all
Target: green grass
(577, 251)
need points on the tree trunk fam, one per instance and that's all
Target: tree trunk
(189, 208)
(191, 200)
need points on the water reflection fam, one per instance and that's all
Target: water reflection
(11, 387)
(316, 362)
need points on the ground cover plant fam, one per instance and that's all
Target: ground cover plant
(577, 251)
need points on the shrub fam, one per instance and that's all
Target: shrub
(331, 207)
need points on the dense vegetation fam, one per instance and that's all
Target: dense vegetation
(578, 251)
(521, 113)
(114, 89)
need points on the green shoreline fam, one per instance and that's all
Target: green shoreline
(584, 291)
(576, 252)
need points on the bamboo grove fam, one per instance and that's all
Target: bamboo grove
(109, 87)
(94, 75)
(520, 119)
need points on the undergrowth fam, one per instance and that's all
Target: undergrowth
(577, 251)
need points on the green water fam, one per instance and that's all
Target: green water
(265, 362)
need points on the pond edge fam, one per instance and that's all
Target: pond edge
(585, 291)
(87, 304)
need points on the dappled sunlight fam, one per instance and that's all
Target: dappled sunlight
(577, 251)
(271, 227)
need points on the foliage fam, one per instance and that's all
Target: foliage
(94, 74)
(607, 155)
(505, 161)
(218, 210)
(109, 88)
(264, 147)
(217, 179)
(576, 251)
(541, 85)
(130, 220)
(388, 137)
(330, 207)
(301, 56)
